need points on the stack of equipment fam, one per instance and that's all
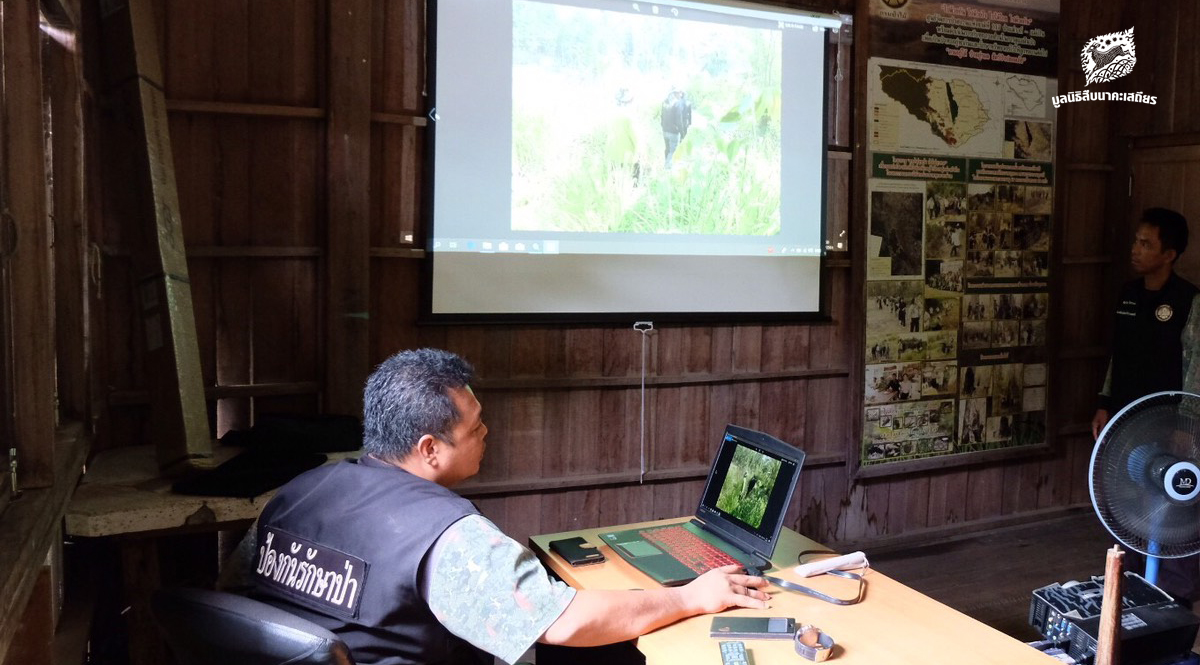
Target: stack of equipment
(1154, 628)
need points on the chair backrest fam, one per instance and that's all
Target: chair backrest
(216, 628)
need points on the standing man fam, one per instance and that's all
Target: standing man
(1154, 344)
(380, 551)
(675, 118)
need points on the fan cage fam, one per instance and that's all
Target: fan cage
(1146, 436)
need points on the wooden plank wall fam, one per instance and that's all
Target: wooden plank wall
(263, 193)
(1095, 222)
(26, 250)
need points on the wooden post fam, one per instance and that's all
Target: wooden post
(25, 249)
(179, 416)
(348, 262)
(1108, 644)
(61, 63)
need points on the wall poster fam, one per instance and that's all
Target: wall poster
(959, 211)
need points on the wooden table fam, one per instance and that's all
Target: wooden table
(893, 624)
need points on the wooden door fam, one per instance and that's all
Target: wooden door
(1168, 177)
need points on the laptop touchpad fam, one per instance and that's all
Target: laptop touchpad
(638, 548)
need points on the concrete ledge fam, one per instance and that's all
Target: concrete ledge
(123, 493)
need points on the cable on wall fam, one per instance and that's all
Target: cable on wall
(645, 328)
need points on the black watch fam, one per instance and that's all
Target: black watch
(812, 644)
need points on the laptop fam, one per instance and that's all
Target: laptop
(741, 511)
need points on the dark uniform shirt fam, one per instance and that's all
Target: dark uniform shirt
(343, 545)
(390, 594)
(1147, 341)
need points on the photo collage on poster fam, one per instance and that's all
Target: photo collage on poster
(959, 217)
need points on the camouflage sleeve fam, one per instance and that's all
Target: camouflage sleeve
(1106, 389)
(490, 590)
(1191, 346)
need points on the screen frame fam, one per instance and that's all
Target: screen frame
(426, 315)
(733, 530)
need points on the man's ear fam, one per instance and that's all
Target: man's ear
(427, 449)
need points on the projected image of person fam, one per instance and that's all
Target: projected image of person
(622, 147)
(585, 155)
(676, 117)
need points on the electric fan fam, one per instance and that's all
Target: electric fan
(1143, 477)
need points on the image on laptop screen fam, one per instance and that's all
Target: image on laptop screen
(749, 487)
(748, 484)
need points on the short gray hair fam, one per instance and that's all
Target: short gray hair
(408, 396)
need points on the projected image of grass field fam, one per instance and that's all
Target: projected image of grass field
(593, 150)
(747, 487)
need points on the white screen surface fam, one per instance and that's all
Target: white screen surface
(557, 190)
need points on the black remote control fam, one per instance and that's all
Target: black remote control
(734, 653)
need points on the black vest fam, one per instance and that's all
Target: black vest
(1147, 347)
(341, 545)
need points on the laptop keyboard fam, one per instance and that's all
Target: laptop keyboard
(690, 549)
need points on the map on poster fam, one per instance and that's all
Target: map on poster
(1025, 95)
(922, 108)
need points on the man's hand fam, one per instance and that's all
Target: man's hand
(1098, 422)
(602, 617)
(725, 587)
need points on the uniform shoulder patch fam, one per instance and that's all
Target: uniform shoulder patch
(322, 578)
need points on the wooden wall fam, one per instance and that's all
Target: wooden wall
(300, 176)
(44, 316)
(1095, 214)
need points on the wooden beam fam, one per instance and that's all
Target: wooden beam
(179, 417)
(237, 109)
(253, 252)
(630, 381)
(473, 489)
(30, 265)
(141, 397)
(348, 262)
(400, 119)
(940, 462)
(64, 72)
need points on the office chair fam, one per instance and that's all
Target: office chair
(217, 628)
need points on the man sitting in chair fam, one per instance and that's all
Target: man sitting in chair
(383, 553)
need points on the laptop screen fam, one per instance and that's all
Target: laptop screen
(749, 488)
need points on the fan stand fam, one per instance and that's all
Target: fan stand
(1152, 563)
